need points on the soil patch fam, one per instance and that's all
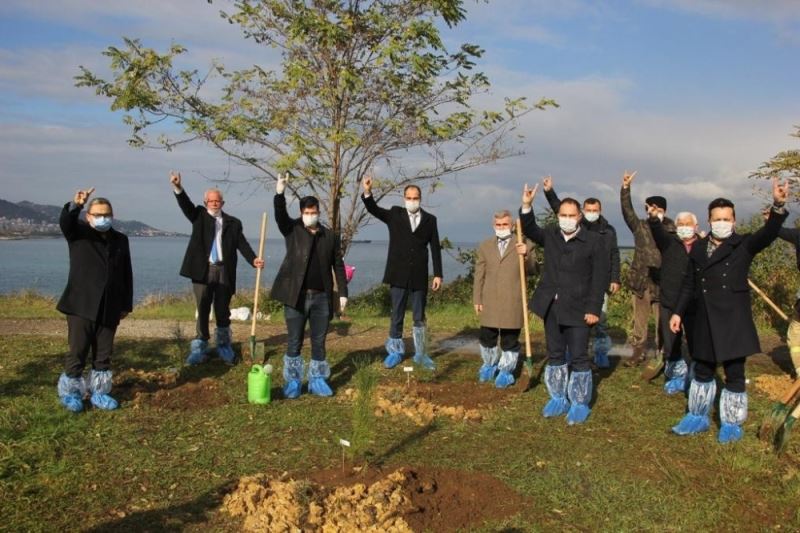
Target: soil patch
(404, 499)
(188, 396)
(774, 386)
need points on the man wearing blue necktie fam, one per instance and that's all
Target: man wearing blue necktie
(210, 262)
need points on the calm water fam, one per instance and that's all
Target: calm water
(42, 265)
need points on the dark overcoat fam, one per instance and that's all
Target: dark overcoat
(407, 260)
(100, 273)
(724, 328)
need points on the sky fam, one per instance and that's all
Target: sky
(692, 94)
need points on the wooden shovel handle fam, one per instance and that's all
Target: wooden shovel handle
(258, 271)
(791, 392)
(524, 293)
(767, 299)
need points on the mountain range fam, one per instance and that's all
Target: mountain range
(27, 219)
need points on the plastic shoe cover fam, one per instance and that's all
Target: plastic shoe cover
(395, 348)
(103, 401)
(579, 391)
(318, 372)
(507, 364)
(486, 373)
(71, 392)
(392, 360)
(292, 376)
(676, 373)
(424, 361)
(555, 378)
(601, 360)
(292, 389)
(100, 385)
(730, 433)
(224, 348)
(420, 340)
(198, 352)
(602, 345)
(319, 387)
(701, 396)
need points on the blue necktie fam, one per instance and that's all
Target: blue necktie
(214, 252)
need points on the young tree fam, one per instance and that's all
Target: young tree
(360, 82)
(784, 164)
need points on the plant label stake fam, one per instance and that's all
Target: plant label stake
(408, 370)
(344, 444)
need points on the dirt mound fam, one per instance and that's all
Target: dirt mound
(407, 499)
(772, 385)
(187, 396)
(128, 384)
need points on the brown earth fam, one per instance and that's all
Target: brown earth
(405, 499)
(163, 390)
(774, 386)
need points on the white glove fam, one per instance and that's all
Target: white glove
(281, 185)
(342, 302)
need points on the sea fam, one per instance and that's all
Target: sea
(42, 265)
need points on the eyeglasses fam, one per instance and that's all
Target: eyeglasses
(102, 214)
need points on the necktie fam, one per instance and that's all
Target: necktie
(501, 244)
(414, 222)
(215, 255)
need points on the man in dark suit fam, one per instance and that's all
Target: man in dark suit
(412, 231)
(99, 293)
(593, 220)
(304, 285)
(724, 332)
(210, 262)
(569, 298)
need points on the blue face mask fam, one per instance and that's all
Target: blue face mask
(101, 223)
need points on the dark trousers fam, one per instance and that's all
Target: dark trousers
(558, 337)
(314, 310)
(400, 297)
(509, 338)
(734, 373)
(213, 291)
(672, 341)
(84, 335)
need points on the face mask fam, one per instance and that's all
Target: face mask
(101, 223)
(503, 234)
(412, 206)
(567, 225)
(685, 232)
(213, 212)
(721, 229)
(660, 216)
(592, 216)
(310, 221)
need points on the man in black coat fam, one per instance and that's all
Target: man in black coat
(593, 220)
(210, 262)
(411, 232)
(674, 247)
(724, 332)
(304, 285)
(569, 298)
(99, 293)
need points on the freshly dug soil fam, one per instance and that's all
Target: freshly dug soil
(406, 499)
(773, 386)
(187, 396)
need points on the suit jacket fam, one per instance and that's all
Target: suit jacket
(497, 286)
(100, 273)
(576, 271)
(195, 260)
(674, 262)
(724, 328)
(601, 226)
(407, 261)
(288, 284)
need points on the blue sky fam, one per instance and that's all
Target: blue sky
(694, 94)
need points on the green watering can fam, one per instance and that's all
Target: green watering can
(259, 383)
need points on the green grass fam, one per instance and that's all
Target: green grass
(149, 469)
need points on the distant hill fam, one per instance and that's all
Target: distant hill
(27, 219)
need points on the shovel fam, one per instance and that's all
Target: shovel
(775, 419)
(786, 429)
(524, 294)
(257, 350)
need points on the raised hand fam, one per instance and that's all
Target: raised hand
(627, 178)
(175, 179)
(366, 183)
(547, 183)
(82, 196)
(280, 186)
(529, 194)
(780, 191)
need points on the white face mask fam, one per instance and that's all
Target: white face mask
(503, 233)
(310, 221)
(412, 206)
(592, 216)
(660, 216)
(102, 224)
(685, 232)
(721, 229)
(567, 225)
(213, 212)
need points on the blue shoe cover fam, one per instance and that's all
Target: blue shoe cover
(601, 360)
(578, 413)
(70, 392)
(392, 360)
(318, 372)
(198, 352)
(675, 385)
(104, 401)
(504, 379)
(486, 373)
(730, 433)
(224, 348)
(691, 424)
(424, 361)
(319, 387)
(555, 407)
(292, 389)
(602, 345)
(72, 402)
